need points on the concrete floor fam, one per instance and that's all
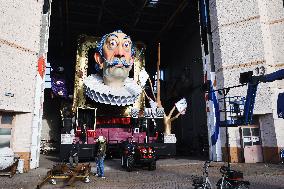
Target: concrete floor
(171, 173)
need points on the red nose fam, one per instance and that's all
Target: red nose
(119, 52)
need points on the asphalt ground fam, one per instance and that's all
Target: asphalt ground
(171, 173)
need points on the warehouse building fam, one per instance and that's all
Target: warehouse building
(200, 40)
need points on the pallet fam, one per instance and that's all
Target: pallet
(11, 170)
(67, 173)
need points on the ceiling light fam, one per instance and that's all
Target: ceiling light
(152, 3)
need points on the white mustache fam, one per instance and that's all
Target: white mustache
(117, 61)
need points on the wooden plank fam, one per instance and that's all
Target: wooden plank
(45, 180)
(62, 171)
(74, 174)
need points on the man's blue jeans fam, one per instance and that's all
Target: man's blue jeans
(100, 166)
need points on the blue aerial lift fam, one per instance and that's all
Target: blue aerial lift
(241, 108)
(253, 82)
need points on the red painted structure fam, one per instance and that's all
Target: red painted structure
(115, 130)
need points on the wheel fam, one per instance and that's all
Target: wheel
(152, 166)
(208, 186)
(219, 184)
(129, 163)
(198, 187)
(226, 184)
(242, 186)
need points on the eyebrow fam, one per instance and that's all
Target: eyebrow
(112, 35)
(126, 37)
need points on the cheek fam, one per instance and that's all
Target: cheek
(127, 56)
(107, 53)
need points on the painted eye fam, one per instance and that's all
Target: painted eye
(112, 44)
(126, 44)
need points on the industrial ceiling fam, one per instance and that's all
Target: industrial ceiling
(143, 20)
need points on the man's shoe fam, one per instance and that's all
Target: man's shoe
(103, 177)
(87, 179)
(97, 175)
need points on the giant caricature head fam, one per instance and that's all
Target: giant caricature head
(115, 56)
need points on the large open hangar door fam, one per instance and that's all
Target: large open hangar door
(173, 23)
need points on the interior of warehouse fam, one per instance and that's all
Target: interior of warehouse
(173, 24)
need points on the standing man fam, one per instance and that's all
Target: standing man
(100, 156)
(83, 133)
(74, 153)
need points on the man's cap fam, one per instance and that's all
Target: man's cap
(101, 138)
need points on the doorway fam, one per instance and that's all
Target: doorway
(175, 24)
(251, 144)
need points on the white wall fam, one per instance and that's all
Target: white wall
(246, 36)
(21, 46)
(20, 25)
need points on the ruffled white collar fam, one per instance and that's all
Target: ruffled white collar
(96, 90)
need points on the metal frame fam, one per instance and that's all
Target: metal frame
(62, 171)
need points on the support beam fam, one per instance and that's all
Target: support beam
(170, 22)
(115, 17)
(100, 15)
(131, 3)
(139, 13)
